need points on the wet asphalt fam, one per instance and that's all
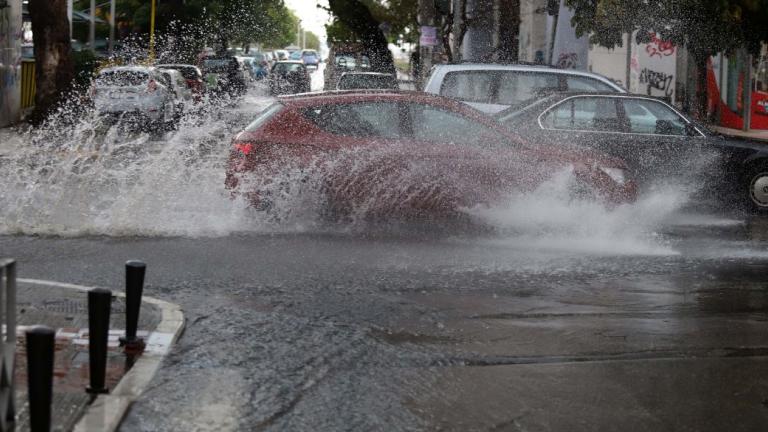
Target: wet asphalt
(436, 332)
(629, 325)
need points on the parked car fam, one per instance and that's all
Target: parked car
(140, 92)
(224, 75)
(495, 87)
(270, 58)
(309, 57)
(429, 154)
(281, 55)
(192, 75)
(367, 80)
(349, 57)
(179, 86)
(289, 77)
(657, 141)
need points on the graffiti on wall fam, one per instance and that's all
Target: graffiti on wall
(654, 68)
(661, 81)
(659, 48)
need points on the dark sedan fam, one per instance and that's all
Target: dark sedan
(660, 144)
(289, 77)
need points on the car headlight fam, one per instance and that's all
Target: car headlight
(619, 175)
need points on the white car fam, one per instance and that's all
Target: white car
(494, 87)
(180, 89)
(139, 91)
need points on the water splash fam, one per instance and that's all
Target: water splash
(78, 177)
(549, 218)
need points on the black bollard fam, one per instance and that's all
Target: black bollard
(99, 305)
(40, 344)
(134, 286)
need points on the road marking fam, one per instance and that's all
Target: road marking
(107, 411)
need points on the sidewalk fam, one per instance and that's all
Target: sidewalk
(66, 311)
(754, 134)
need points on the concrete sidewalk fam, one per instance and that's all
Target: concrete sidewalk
(754, 134)
(65, 309)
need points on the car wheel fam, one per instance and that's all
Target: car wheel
(757, 188)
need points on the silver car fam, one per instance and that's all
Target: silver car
(492, 87)
(138, 91)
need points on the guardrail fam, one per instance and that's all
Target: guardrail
(7, 343)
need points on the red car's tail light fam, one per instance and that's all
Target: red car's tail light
(244, 148)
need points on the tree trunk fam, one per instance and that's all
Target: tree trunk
(54, 70)
(356, 16)
(509, 29)
(700, 103)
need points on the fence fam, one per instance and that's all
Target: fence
(7, 343)
(28, 85)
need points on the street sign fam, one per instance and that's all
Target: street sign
(428, 36)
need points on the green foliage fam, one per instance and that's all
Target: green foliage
(313, 42)
(703, 27)
(237, 22)
(399, 16)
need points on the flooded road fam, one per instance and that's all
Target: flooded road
(560, 316)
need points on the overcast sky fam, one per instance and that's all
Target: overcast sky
(312, 18)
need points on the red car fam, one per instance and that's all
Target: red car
(404, 153)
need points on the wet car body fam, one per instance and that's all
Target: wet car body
(193, 77)
(396, 166)
(223, 75)
(289, 77)
(657, 141)
(367, 80)
(137, 92)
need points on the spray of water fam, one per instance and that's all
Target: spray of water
(80, 177)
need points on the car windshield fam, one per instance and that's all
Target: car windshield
(189, 72)
(296, 55)
(365, 81)
(217, 64)
(122, 78)
(287, 67)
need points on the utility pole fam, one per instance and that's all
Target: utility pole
(111, 27)
(298, 33)
(629, 59)
(92, 26)
(70, 9)
(747, 93)
(428, 37)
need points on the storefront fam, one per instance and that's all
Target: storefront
(728, 77)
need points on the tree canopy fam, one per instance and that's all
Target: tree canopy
(704, 28)
(225, 22)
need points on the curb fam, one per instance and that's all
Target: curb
(107, 411)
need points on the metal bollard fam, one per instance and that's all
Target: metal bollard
(99, 306)
(134, 286)
(40, 344)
